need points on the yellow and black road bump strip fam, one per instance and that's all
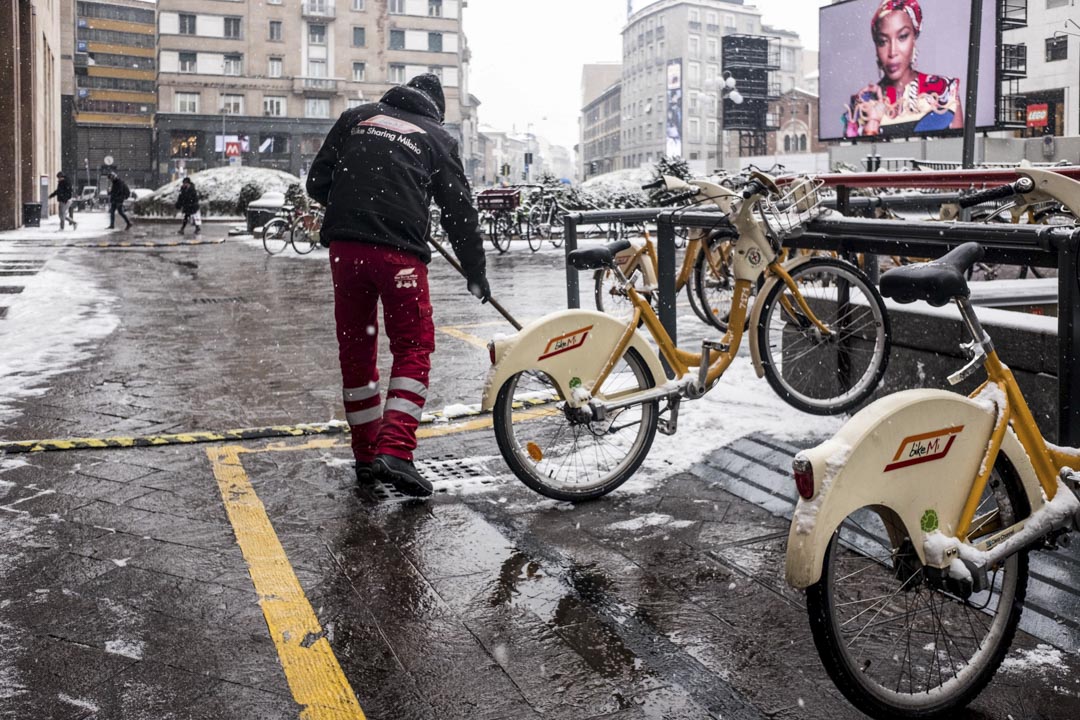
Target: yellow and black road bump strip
(141, 244)
(191, 438)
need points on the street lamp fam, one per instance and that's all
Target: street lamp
(727, 89)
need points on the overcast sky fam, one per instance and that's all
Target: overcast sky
(527, 56)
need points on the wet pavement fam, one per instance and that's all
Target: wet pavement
(251, 578)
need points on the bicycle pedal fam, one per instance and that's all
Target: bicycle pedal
(668, 425)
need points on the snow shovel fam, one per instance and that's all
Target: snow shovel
(457, 266)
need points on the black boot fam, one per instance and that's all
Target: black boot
(403, 475)
(365, 474)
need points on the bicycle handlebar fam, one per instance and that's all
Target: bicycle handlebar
(752, 188)
(679, 199)
(1021, 186)
(656, 185)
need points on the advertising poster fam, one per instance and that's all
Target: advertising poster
(898, 68)
(673, 126)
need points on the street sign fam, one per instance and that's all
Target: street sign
(232, 149)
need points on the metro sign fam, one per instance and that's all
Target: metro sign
(924, 448)
(232, 149)
(565, 343)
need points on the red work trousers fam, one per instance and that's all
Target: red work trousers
(363, 275)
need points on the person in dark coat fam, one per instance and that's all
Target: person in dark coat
(188, 203)
(118, 193)
(63, 194)
(376, 174)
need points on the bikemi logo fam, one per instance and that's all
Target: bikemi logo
(928, 447)
(565, 343)
(406, 279)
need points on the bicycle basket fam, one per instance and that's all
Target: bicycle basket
(798, 203)
(498, 199)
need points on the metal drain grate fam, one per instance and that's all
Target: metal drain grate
(447, 472)
(218, 301)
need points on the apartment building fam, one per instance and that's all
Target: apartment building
(1050, 43)
(30, 70)
(658, 100)
(601, 130)
(273, 76)
(598, 79)
(115, 90)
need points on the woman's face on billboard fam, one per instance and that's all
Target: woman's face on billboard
(895, 40)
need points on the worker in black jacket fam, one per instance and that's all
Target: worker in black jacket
(188, 203)
(63, 194)
(377, 173)
(118, 193)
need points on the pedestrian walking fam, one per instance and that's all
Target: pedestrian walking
(63, 194)
(188, 203)
(376, 174)
(118, 193)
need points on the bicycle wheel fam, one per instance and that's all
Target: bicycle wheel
(501, 231)
(302, 239)
(610, 296)
(556, 228)
(562, 456)
(898, 646)
(275, 235)
(526, 226)
(818, 372)
(714, 282)
(537, 226)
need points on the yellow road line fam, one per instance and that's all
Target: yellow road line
(311, 669)
(462, 335)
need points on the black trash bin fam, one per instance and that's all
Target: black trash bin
(31, 214)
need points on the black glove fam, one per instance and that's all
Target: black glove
(480, 288)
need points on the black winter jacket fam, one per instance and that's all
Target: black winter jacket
(378, 171)
(188, 201)
(119, 191)
(63, 191)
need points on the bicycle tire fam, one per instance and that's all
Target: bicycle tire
(550, 431)
(714, 282)
(847, 649)
(534, 240)
(301, 238)
(607, 298)
(556, 229)
(276, 236)
(500, 237)
(829, 374)
(536, 223)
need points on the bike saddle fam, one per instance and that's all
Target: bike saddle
(937, 282)
(596, 258)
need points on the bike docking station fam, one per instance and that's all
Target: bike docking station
(1041, 246)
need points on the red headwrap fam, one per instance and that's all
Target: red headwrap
(911, 7)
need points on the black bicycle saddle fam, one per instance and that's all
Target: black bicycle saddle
(937, 282)
(596, 258)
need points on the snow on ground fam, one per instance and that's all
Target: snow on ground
(92, 225)
(49, 329)
(1041, 659)
(619, 181)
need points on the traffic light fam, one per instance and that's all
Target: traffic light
(506, 169)
(528, 158)
(525, 175)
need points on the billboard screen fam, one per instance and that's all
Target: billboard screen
(898, 68)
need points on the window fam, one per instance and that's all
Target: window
(232, 104)
(187, 24)
(802, 143)
(189, 62)
(711, 19)
(234, 64)
(434, 8)
(695, 130)
(397, 7)
(184, 144)
(1056, 3)
(695, 46)
(187, 102)
(274, 67)
(273, 2)
(694, 74)
(397, 74)
(274, 106)
(275, 30)
(712, 46)
(730, 21)
(316, 34)
(434, 42)
(1057, 48)
(232, 28)
(358, 71)
(353, 103)
(317, 108)
(787, 143)
(316, 68)
(274, 144)
(359, 37)
(437, 71)
(695, 15)
(397, 39)
(358, 5)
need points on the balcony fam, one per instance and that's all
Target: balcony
(315, 86)
(1012, 112)
(1014, 14)
(317, 10)
(1013, 62)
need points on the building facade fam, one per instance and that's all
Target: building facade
(601, 133)
(115, 90)
(596, 80)
(271, 78)
(1051, 43)
(30, 105)
(795, 113)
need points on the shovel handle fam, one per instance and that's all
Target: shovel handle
(457, 266)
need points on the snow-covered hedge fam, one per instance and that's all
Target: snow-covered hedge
(219, 190)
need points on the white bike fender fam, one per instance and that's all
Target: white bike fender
(567, 345)
(755, 313)
(914, 453)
